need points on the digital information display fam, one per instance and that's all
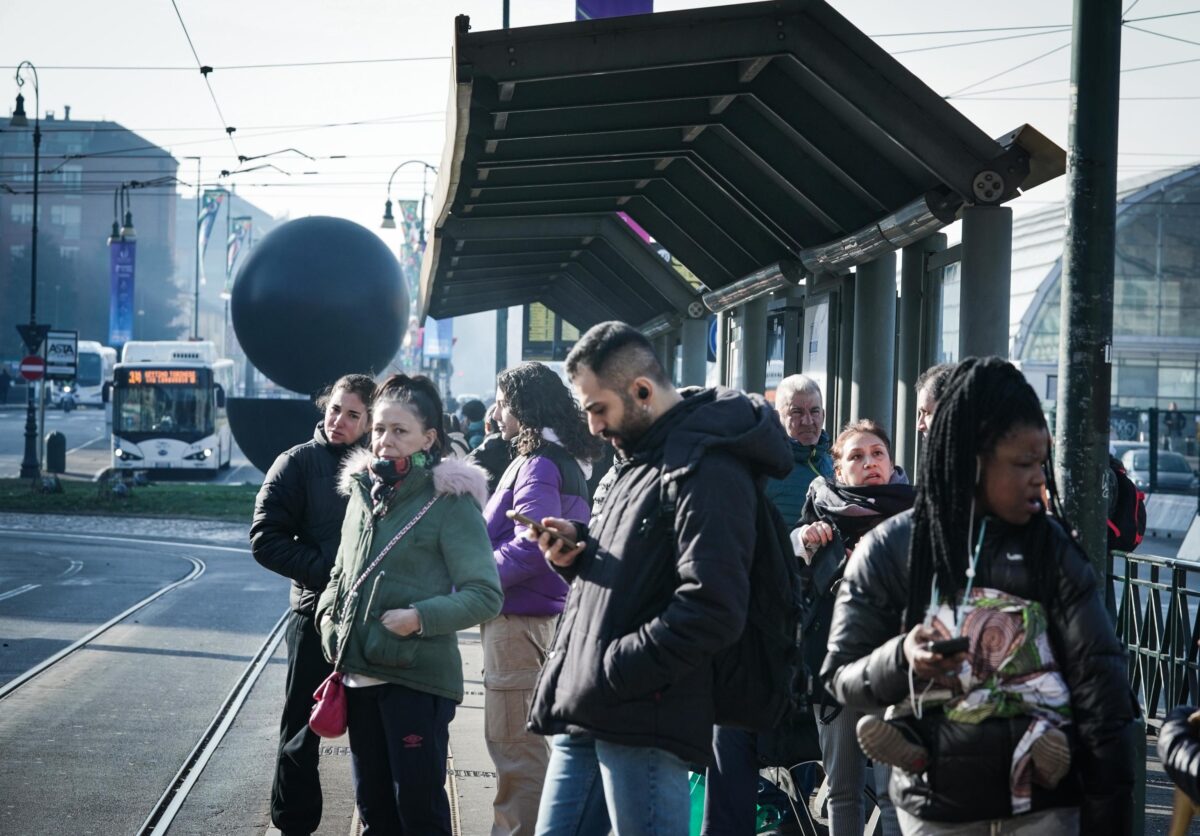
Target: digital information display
(161, 377)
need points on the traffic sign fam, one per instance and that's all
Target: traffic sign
(61, 354)
(33, 367)
(33, 335)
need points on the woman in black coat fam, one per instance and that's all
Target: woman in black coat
(977, 536)
(295, 532)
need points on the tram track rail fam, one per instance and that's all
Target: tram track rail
(169, 804)
(165, 810)
(198, 569)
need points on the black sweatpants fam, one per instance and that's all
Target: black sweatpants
(296, 790)
(398, 743)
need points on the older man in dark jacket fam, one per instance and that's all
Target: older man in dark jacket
(628, 689)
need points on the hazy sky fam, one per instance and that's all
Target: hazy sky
(402, 103)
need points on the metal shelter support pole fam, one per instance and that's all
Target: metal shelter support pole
(664, 348)
(694, 338)
(753, 356)
(845, 363)
(908, 356)
(985, 294)
(1085, 348)
(501, 313)
(872, 380)
(501, 339)
(793, 331)
(931, 313)
(723, 348)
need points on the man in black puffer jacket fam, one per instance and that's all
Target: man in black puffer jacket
(627, 690)
(295, 532)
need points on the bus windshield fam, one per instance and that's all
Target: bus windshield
(89, 371)
(167, 403)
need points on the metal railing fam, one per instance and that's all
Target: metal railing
(1156, 601)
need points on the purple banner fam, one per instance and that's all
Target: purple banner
(121, 256)
(596, 9)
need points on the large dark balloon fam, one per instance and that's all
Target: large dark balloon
(265, 427)
(319, 298)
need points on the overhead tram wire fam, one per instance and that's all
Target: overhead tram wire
(399, 119)
(234, 67)
(204, 72)
(1065, 80)
(1013, 68)
(981, 41)
(1162, 35)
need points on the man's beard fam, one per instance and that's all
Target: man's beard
(634, 424)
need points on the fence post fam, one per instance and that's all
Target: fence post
(1139, 776)
(1153, 449)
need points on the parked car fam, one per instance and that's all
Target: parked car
(1118, 449)
(1175, 475)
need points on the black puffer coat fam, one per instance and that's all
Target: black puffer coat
(298, 516)
(1179, 750)
(968, 777)
(654, 598)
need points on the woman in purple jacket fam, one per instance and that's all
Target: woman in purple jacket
(548, 478)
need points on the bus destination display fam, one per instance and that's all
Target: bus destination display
(161, 377)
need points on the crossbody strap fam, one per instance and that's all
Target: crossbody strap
(362, 577)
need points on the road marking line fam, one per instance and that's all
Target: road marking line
(198, 568)
(13, 593)
(73, 569)
(86, 444)
(117, 539)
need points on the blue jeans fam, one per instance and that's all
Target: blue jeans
(593, 786)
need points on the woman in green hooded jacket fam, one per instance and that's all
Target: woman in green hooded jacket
(394, 637)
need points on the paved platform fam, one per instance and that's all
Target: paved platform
(231, 796)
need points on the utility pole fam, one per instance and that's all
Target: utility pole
(502, 313)
(196, 280)
(1085, 348)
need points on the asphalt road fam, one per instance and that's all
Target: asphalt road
(99, 735)
(89, 445)
(91, 743)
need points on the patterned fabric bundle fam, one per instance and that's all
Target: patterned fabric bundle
(1010, 671)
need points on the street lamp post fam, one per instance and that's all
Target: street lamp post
(389, 220)
(30, 464)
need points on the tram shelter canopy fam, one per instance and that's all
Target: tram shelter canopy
(759, 140)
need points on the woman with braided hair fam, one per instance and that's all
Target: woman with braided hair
(1030, 729)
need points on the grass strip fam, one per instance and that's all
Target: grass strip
(226, 503)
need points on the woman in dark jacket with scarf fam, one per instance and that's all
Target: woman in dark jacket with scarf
(867, 489)
(295, 532)
(542, 421)
(979, 557)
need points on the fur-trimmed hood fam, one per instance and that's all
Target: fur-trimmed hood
(450, 476)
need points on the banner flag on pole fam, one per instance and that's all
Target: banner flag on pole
(121, 256)
(209, 207)
(410, 268)
(239, 232)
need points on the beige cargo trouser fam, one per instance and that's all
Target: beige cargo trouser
(514, 649)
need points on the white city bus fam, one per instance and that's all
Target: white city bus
(168, 403)
(93, 371)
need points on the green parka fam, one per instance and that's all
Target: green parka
(443, 568)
